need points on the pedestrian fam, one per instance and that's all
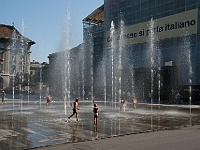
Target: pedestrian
(121, 105)
(49, 98)
(3, 95)
(95, 110)
(134, 101)
(75, 108)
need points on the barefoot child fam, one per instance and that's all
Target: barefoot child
(95, 110)
(75, 108)
(48, 104)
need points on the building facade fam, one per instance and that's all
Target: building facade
(147, 49)
(64, 78)
(158, 44)
(93, 36)
(14, 54)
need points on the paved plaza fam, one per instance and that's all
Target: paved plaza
(32, 125)
(186, 138)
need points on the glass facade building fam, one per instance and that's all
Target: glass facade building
(160, 49)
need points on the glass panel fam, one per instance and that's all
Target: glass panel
(145, 5)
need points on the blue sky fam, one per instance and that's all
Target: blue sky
(44, 21)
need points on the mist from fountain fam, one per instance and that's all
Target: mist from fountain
(133, 82)
(82, 83)
(62, 67)
(66, 59)
(119, 68)
(91, 67)
(13, 65)
(140, 117)
(113, 42)
(186, 62)
(100, 75)
(154, 59)
(21, 71)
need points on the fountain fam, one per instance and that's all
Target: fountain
(187, 70)
(64, 60)
(75, 78)
(154, 54)
(112, 32)
(17, 52)
(13, 66)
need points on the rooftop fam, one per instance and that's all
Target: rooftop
(97, 16)
(6, 32)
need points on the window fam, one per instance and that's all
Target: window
(1, 45)
(169, 6)
(161, 9)
(145, 5)
(180, 4)
(136, 15)
(160, 2)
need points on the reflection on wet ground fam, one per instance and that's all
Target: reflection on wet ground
(34, 126)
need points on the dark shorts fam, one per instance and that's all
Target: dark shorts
(74, 110)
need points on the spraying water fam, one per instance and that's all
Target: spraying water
(187, 63)
(155, 57)
(151, 55)
(91, 67)
(66, 70)
(121, 43)
(82, 76)
(112, 32)
(13, 65)
(22, 65)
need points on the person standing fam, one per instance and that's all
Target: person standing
(134, 101)
(122, 105)
(49, 98)
(3, 95)
(95, 110)
(75, 108)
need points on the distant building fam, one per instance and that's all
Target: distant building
(36, 69)
(59, 71)
(93, 36)
(39, 75)
(72, 76)
(45, 73)
(14, 54)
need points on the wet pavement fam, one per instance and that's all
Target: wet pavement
(34, 125)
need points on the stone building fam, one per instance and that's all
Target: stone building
(14, 54)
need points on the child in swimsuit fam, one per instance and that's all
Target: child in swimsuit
(75, 108)
(95, 110)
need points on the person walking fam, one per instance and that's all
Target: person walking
(75, 108)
